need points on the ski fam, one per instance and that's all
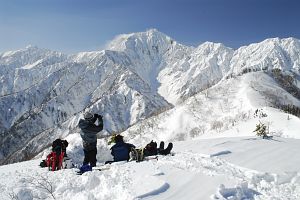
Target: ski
(94, 169)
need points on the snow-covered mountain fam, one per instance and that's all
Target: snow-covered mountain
(269, 54)
(139, 75)
(240, 167)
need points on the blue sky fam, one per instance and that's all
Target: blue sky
(72, 26)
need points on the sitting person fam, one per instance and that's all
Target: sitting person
(124, 151)
(120, 150)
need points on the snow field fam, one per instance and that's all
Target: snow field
(199, 169)
(238, 166)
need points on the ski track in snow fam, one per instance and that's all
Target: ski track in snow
(146, 180)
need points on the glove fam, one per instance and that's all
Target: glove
(99, 117)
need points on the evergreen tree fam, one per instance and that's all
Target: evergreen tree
(261, 130)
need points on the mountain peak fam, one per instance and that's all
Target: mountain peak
(30, 46)
(141, 75)
(277, 40)
(27, 49)
(128, 41)
(153, 30)
(211, 45)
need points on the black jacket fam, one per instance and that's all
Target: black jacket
(89, 130)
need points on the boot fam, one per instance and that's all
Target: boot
(167, 150)
(161, 146)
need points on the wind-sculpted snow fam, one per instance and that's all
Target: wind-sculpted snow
(189, 173)
(44, 93)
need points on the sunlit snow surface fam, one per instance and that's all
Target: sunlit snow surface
(43, 93)
(216, 154)
(220, 168)
(234, 164)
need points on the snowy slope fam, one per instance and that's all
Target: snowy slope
(222, 162)
(150, 87)
(138, 76)
(221, 108)
(222, 168)
(269, 54)
(57, 101)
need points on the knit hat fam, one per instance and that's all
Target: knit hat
(118, 138)
(88, 116)
(115, 138)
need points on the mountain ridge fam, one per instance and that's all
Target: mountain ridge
(138, 76)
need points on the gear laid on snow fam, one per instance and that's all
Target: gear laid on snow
(137, 154)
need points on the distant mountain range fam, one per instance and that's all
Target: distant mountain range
(44, 93)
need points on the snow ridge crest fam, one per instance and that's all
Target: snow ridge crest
(43, 93)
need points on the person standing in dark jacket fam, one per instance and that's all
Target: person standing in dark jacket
(88, 134)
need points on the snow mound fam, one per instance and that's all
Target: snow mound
(186, 174)
(240, 192)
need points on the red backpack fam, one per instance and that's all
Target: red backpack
(54, 161)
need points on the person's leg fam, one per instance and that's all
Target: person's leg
(93, 159)
(161, 146)
(167, 150)
(86, 157)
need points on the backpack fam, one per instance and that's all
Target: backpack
(139, 154)
(136, 154)
(59, 146)
(55, 160)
